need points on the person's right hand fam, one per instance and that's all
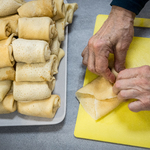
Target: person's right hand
(114, 37)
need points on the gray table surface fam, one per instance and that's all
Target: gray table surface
(61, 136)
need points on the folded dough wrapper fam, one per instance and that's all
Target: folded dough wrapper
(39, 8)
(5, 29)
(51, 84)
(7, 73)
(13, 22)
(4, 88)
(8, 105)
(29, 91)
(55, 46)
(9, 7)
(61, 54)
(37, 28)
(70, 8)
(31, 51)
(60, 26)
(36, 72)
(6, 58)
(60, 10)
(44, 108)
(7, 41)
(97, 98)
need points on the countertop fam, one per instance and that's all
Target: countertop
(61, 136)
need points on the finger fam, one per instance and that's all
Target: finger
(128, 73)
(85, 51)
(135, 106)
(138, 105)
(101, 68)
(109, 76)
(128, 94)
(120, 55)
(124, 84)
(91, 61)
(85, 57)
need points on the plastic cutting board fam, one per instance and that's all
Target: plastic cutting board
(121, 126)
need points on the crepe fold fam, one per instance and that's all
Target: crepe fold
(4, 88)
(39, 8)
(60, 26)
(51, 84)
(8, 105)
(13, 22)
(55, 46)
(7, 73)
(31, 51)
(5, 29)
(6, 56)
(60, 10)
(29, 91)
(97, 98)
(61, 54)
(44, 108)
(37, 28)
(9, 7)
(70, 8)
(36, 72)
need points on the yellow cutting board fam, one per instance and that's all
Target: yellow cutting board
(121, 125)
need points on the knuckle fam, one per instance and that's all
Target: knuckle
(90, 68)
(122, 95)
(84, 62)
(117, 85)
(122, 47)
(99, 70)
(90, 42)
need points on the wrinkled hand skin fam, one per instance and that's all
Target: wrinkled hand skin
(114, 37)
(134, 83)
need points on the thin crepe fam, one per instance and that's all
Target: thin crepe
(69, 11)
(4, 88)
(60, 26)
(29, 91)
(37, 28)
(61, 54)
(60, 10)
(36, 72)
(6, 56)
(44, 108)
(5, 29)
(31, 51)
(97, 98)
(8, 105)
(39, 8)
(9, 7)
(13, 22)
(55, 46)
(7, 73)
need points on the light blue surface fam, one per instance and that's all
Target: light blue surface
(61, 136)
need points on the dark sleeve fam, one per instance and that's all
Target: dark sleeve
(132, 5)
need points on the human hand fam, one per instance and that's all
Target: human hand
(114, 37)
(134, 83)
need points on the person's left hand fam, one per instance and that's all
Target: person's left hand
(134, 83)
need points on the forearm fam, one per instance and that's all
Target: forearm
(131, 5)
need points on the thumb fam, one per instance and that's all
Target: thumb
(120, 56)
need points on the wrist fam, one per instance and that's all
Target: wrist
(121, 12)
